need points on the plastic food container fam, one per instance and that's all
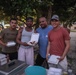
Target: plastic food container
(35, 70)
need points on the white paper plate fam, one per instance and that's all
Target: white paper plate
(11, 44)
(53, 59)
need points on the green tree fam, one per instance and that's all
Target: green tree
(66, 9)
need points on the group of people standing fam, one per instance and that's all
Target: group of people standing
(53, 40)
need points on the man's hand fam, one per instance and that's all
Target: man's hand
(46, 57)
(4, 44)
(25, 44)
(32, 43)
(61, 58)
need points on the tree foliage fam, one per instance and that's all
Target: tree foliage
(66, 9)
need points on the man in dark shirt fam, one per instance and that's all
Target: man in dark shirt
(9, 35)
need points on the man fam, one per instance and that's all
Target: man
(43, 40)
(26, 52)
(59, 42)
(9, 35)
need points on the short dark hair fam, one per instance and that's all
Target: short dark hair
(29, 18)
(13, 19)
(43, 17)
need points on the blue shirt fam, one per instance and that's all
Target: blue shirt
(43, 39)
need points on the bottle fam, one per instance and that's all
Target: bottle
(70, 72)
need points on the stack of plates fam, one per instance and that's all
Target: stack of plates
(54, 71)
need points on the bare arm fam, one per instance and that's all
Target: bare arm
(67, 42)
(18, 39)
(1, 40)
(2, 43)
(48, 47)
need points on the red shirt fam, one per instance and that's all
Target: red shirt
(57, 41)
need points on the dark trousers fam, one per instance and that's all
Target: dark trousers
(12, 56)
(40, 61)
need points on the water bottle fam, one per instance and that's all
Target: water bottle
(70, 72)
